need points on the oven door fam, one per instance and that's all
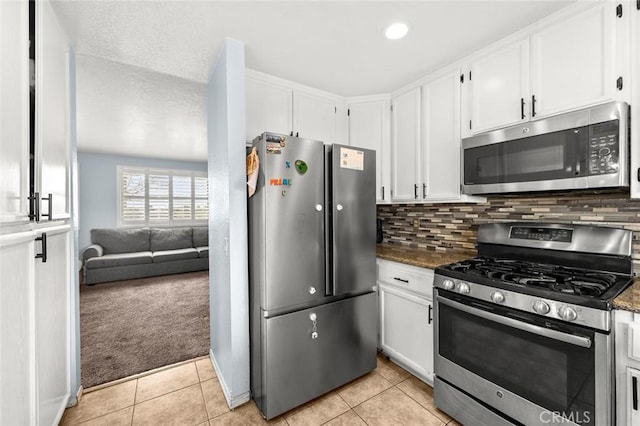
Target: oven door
(530, 368)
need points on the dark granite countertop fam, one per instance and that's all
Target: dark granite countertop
(629, 299)
(420, 257)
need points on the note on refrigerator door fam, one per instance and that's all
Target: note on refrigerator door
(351, 159)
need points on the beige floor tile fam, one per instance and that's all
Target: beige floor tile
(363, 388)
(205, 369)
(183, 407)
(166, 381)
(98, 403)
(390, 371)
(318, 411)
(246, 414)
(423, 394)
(214, 399)
(393, 407)
(350, 418)
(118, 418)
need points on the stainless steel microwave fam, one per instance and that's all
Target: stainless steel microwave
(583, 149)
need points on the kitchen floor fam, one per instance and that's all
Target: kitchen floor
(189, 394)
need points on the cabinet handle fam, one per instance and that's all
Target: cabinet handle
(638, 167)
(42, 255)
(533, 105)
(634, 389)
(291, 134)
(401, 280)
(383, 186)
(297, 134)
(522, 108)
(430, 315)
(424, 190)
(415, 191)
(49, 200)
(34, 206)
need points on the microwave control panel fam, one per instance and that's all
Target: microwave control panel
(604, 148)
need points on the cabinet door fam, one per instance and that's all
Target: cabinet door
(14, 111)
(633, 387)
(635, 102)
(52, 309)
(405, 146)
(52, 112)
(441, 138)
(499, 85)
(573, 62)
(16, 327)
(369, 128)
(406, 332)
(314, 116)
(269, 108)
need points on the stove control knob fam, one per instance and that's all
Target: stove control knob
(463, 288)
(448, 284)
(567, 313)
(497, 297)
(541, 307)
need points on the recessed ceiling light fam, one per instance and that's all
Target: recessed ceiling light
(396, 31)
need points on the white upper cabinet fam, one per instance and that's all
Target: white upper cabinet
(14, 111)
(369, 128)
(499, 85)
(269, 108)
(441, 138)
(314, 116)
(635, 102)
(574, 61)
(52, 114)
(570, 62)
(405, 146)
(279, 106)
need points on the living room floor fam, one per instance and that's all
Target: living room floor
(189, 394)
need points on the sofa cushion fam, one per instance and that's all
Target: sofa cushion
(119, 259)
(121, 240)
(170, 238)
(170, 255)
(200, 236)
(203, 251)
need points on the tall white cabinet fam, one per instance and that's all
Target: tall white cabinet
(35, 257)
(369, 128)
(405, 145)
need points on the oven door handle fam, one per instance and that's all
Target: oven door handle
(573, 339)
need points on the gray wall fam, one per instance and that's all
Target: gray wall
(97, 179)
(228, 262)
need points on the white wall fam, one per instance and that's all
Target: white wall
(98, 187)
(228, 263)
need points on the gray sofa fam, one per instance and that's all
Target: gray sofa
(126, 253)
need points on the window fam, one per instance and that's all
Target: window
(162, 197)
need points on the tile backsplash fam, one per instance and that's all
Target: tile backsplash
(454, 226)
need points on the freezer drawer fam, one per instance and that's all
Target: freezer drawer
(298, 365)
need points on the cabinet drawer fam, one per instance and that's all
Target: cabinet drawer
(411, 278)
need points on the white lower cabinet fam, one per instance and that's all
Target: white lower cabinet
(34, 326)
(406, 317)
(627, 367)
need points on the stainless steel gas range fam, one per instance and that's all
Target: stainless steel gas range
(523, 332)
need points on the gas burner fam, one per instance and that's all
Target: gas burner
(554, 278)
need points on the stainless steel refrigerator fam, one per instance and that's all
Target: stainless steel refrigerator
(312, 239)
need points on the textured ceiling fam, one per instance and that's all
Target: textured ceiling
(337, 46)
(131, 111)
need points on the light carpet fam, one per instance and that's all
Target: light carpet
(128, 327)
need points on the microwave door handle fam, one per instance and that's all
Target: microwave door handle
(573, 339)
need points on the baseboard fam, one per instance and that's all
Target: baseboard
(231, 401)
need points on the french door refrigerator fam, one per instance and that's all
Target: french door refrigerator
(312, 225)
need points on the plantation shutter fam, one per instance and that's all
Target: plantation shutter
(133, 199)
(201, 198)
